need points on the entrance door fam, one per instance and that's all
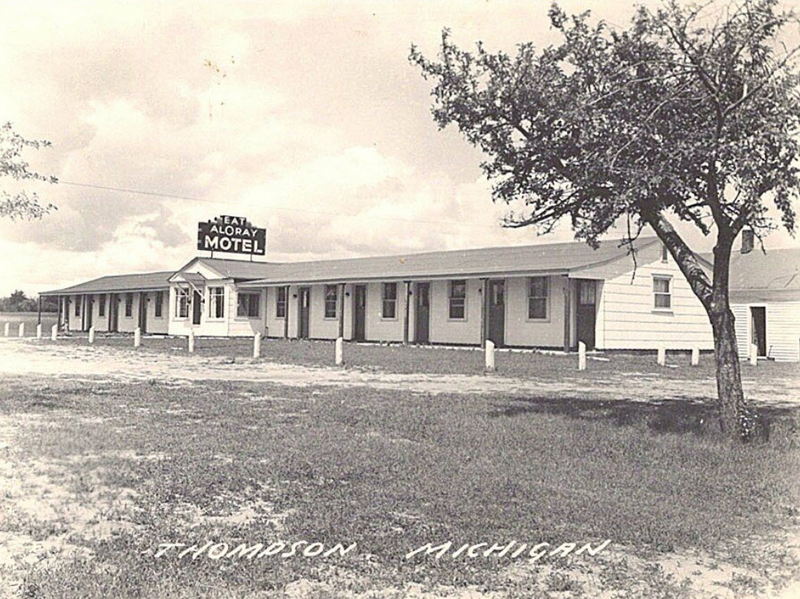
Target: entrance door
(758, 316)
(113, 313)
(359, 312)
(89, 310)
(303, 303)
(422, 311)
(496, 313)
(197, 307)
(143, 312)
(586, 312)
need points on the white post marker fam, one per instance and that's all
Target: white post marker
(695, 356)
(137, 337)
(191, 341)
(39, 331)
(339, 351)
(662, 356)
(257, 345)
(489, 355)
(91, 334)
(22, 329)
(54, 332)
(581, 355)
(6, 329)
(753, 354)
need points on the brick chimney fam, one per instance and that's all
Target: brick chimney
(748, 238)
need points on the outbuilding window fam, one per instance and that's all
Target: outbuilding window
(662, 293)
(280, 302)
(247, 305)
(389, 300)
(182, 303)
(101, 304)
(331, 300)
(128, 305)
(537, 298)
(458, 299)
(159, 304)
(216, 308)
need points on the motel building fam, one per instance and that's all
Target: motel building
(538, 296)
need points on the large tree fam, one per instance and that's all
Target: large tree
(689, 115)
(20, 203)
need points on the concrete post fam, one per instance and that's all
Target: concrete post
(257, 345)
(39, 331)
(91, 334)
(191, 341)
(753, 354)
(662, 356)
(6, 329)
(137, 337)
(581, 355)
(489, 356)
(339, 351)
(695, 356)
(22, 329)
(54, 332)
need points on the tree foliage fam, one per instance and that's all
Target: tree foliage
(690, 115)
(20, 204)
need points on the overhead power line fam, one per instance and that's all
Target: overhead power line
(271, 206)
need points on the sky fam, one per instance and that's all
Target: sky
(304, 116)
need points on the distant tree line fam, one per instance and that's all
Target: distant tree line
(19, 302)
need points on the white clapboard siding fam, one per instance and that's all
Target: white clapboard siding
(783, 331)
(630, 320)
(741, 314)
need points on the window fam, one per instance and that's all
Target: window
(280, 302)
(182, 303)
(77, 305)
(247, 305)
(216, 308)
(128, 305)
(664, 253)
(101, 305)
(537, 298)
(662, 293)
(159, 304)
(389, 300)
(331, 300)
(458, 300)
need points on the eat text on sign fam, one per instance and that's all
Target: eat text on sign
(233, 234)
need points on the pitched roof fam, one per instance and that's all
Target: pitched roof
(759, 276)
(541, 258)
(133, 282)
(235, 269)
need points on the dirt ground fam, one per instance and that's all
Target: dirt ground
(24, 357)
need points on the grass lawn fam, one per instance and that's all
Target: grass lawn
(390, 471)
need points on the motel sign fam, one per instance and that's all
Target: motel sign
(233, 234)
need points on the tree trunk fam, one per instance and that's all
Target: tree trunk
(734, 417)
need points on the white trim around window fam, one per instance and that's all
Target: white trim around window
(662, 293)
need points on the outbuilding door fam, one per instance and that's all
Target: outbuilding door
(496, 313)
(197, 307)
(359, 312)
(303, 303)
(758, 316)
(586, 312)
(143, 312)
(113, 313)
(422, 313)
(89, 310)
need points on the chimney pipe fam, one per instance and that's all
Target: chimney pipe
(748, 238)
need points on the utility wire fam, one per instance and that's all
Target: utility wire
(273, 207)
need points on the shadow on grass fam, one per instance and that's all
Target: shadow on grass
(780, 425)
